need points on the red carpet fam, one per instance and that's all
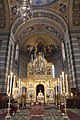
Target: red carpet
(73, 116)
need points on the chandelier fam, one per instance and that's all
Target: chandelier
(24, 11)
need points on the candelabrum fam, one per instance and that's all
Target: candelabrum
(31, 95)
(23, 99)
(65, 107)
(18, 110)
(8, 116)
(56, 99)
(48, 98)
(59, 101)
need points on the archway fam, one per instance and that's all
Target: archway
(38, 88)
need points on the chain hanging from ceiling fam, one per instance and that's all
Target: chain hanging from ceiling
(24, 11)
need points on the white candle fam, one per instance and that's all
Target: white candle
(30, 1)
(14, 84)
(8, 84)
(66, 85)
(11, 82)
(63, 83)
(19, 86)
(19, 83)
(56, 87)
(32, 58)
(43, 57)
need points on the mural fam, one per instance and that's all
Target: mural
(39, 2)
(40, 48)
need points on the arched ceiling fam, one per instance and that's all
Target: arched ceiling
(68, 9)
(51, 21)
(46, 27)
(39, 2)
(43, 22)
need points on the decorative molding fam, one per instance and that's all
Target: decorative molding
(76, 12)
(2, 17)
(42, 15)
(40, 2)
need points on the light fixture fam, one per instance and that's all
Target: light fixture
(24, 11)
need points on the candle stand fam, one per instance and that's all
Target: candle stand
(48, 98)
(8, 116)
(31, 95)
(18, 110)
(56, 99)
(59, 102)
(65, 108)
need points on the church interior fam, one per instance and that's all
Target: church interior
(40, 59)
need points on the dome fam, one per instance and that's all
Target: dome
(42, 2)
(39, 2)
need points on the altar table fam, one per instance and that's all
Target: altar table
(37, 109)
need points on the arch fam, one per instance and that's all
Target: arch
(40, 17)
(39, 87)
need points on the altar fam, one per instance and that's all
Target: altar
(40, 97)
(39, 80)
(37, 109)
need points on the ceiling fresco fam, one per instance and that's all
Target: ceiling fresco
(41, 43)
(39, 2)
(61, 7)
(52, 14)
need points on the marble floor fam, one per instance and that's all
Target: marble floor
(51, 113)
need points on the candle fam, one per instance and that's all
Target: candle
(8, 84)
(14, 84)
(19, 83)
(30, 1)
(63, 83)
(32, 58)
(56, 87)
(19, 86)
(11, 82)
(66, 85)
(43, 57)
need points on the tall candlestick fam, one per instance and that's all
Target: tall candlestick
(63, 83)
(32, 58)
(19, 86)
(56, 87)
(14, 84)
(8, 84)
(66, 85)
(30, 1)
(11, 82)
(19, 83)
